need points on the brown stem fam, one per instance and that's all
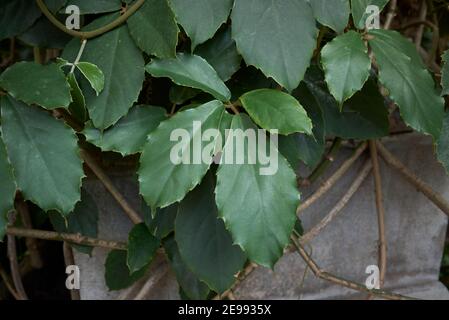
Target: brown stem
(339, 206)
(382, 260)
(420, 185)
(327, 185)
(74, 238)
(70, 261)
(241, 277)
(15, 271)
(422, 17)
(341, 281)
(107, 182)
(391, 14)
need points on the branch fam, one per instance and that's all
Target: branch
(14, 265)
(423, 187)
(382, 259)
(98, 171)
(240, 278)
(339, 206)
(73, 238)
(333, 179)
(391, 14)
(94, 33)
(341, 281)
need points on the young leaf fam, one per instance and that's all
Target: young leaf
(34, 83)
(270, 201)
(191, 71)
(410, 85)
(154, 29)
(360, 13)
(16, 16)
(130, 133)
(117, 274)
(201, 18)
(445, 74)
(203, 241)
(346, 64)
(7, 189)
(142, 247)
(221, 53)
(332, 13)
(267, 36)
(163, 180)
(83, 220)
(118, 57)
(189, 282)
(78, 107)
(44, 154)
(273, 109)
(93, 74)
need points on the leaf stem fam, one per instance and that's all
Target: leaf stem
(78, 57)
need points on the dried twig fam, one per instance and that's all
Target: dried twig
(109, 185)
(240, 278)
(70, 261)
(339, 206)
(327, 185)
(15, 271)
(420, 185)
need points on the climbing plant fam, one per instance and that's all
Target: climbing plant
(137, 71)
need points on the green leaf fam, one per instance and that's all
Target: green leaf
(409, 84)
(221, 53)
(93, 74)
(191, 71)
(201, 18)
(179, 94)
(83, 220)
(445, 74)
(130, 133)
(203, 241)
(117, 273)
(359, 10)
(273, 109)
(189, 282)
(142, 247)
(154, 29)
(43, 85)
(97, 6)
(276, 36)
(16, 16)
(443, 143)
(44, 34)
(55, 5)
(7, 189)
(161, 223)
(78, 107)
(332, 13)
(263, 229)
(346, 64)
(117, 56)
(162, 182)
(44, 154)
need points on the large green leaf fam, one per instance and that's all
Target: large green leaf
(83, 220)
(445, 74)
(162, 180)
(117, 274)
(203, 241)
(201, 18)
(44, 155)
(142, 247)
(154, 29)
(7, 189)
(129, 134)
(359, 10)
(332, 13)
(409, 84)
(35, 83)
(118, 57)
(346, 64)
(443, 143)
(264, 227)
(189, 282)
(191, 71)
(273, 109)
(221, 53)
(97, 6)
(276, 36)
(16, 16)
